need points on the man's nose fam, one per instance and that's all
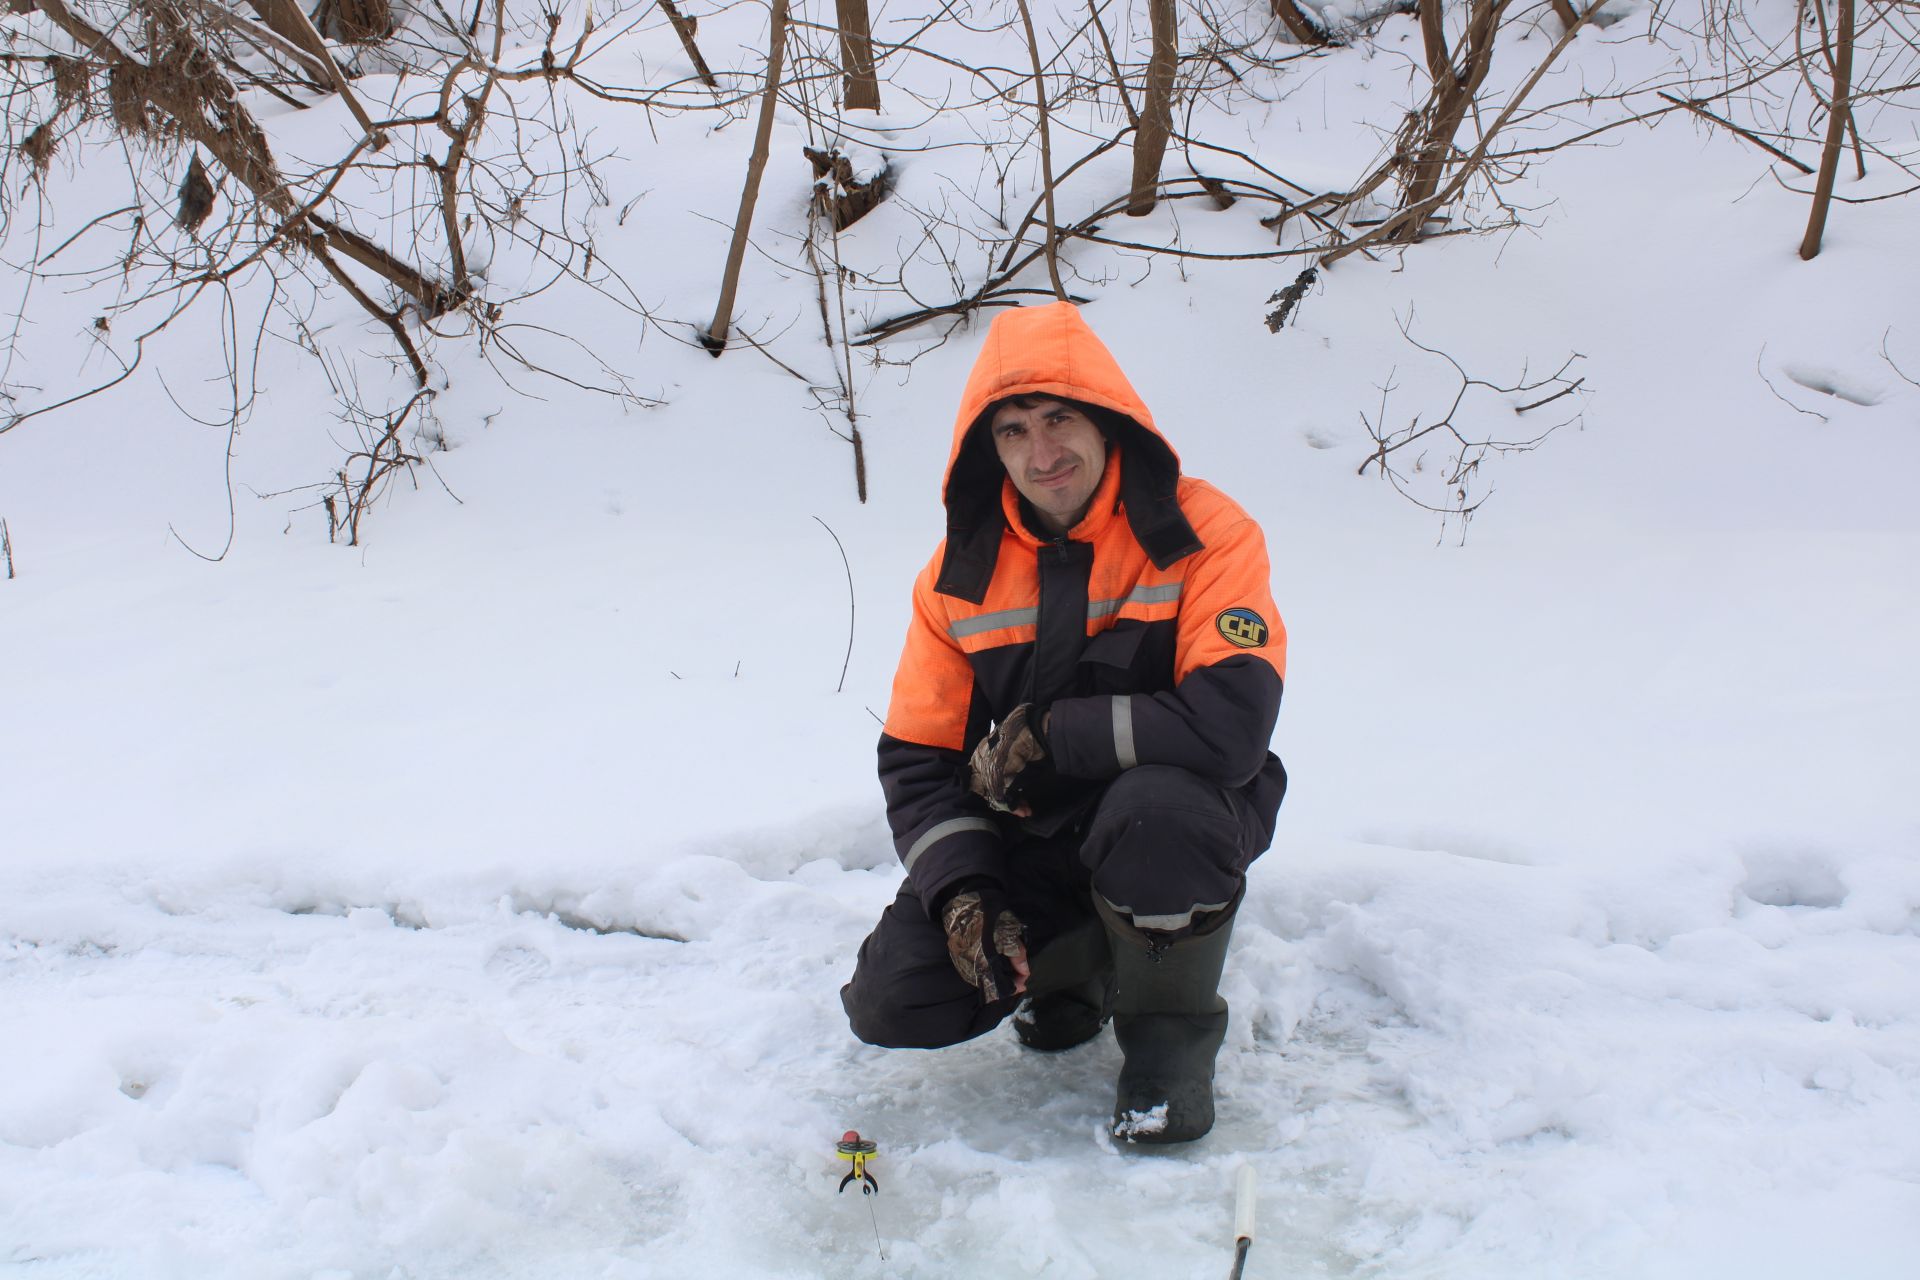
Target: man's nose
(1046, 451)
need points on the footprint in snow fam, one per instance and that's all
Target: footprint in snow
(515, 963)
(1852, 388)
(1804, 879)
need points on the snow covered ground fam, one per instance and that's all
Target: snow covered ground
(475, 902)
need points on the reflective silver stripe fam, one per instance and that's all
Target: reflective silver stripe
(993, 622)
(1180, 921)
(941, 830)
(1123, 731)
(1162, 594)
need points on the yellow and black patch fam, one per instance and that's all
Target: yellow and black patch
(1243, 627)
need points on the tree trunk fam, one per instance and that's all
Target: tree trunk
(279, 21)
(1052, 245)
(1451, 98)
(684, 29)
(289, 14)
(356, 21)
(838, 195)
(856, 56)
(1302, 28)
(715, 338)
(189, 89)
(1156, 116)
(1839, 108)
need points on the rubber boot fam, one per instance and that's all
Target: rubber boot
(1069, 992)
(1170, 1021)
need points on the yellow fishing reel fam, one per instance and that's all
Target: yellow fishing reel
(852, 1147)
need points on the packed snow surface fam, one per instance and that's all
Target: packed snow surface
(474, 902)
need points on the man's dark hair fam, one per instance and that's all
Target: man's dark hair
(1105, 419)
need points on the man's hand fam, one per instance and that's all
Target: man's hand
(987, 941)
(1002, 756)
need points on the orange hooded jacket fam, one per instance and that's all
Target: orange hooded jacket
(1149, 631)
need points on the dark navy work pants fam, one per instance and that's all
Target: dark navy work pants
(1160, 844)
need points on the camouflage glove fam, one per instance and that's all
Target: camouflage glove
(986, 940)
(1010, 758)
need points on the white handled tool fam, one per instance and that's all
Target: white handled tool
(1243, 1203)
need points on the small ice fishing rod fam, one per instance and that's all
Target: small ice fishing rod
(857, 1150)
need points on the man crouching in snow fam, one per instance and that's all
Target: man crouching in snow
(1075, 758)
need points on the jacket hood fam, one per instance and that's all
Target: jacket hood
(1050, 350)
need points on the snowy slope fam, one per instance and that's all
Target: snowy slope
(475, 902)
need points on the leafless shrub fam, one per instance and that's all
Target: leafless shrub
(383, 451)
(1785, 83)
(369, 469)
(153, 79)
(480, 153)
(1468, 445)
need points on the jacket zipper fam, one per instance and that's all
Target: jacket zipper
(1058, 546)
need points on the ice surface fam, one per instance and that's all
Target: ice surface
(475, 903)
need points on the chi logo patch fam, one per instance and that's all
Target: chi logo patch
(1243, 627)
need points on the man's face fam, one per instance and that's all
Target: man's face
(1055, 456)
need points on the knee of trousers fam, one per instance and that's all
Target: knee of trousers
(905, 993)
(895, 1020)
(1164, 843)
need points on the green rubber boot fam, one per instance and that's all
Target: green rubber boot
(1170, 1021)
(1069, 992)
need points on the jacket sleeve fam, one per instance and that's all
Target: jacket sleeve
(1229, 664)
(941, 830)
